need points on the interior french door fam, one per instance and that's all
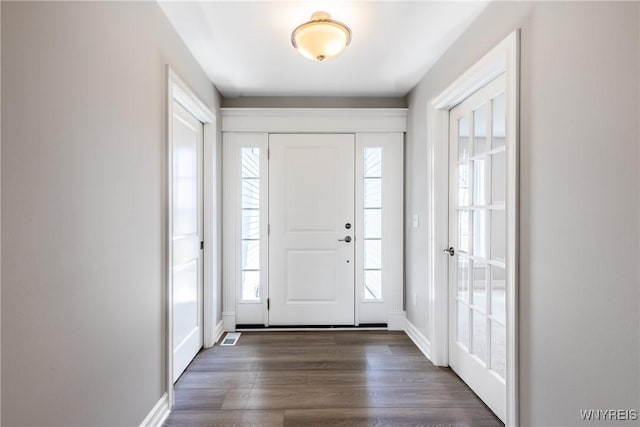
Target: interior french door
(311, 237)
(477, 235)
(186, 229)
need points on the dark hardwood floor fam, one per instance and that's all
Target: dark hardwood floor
(341, 378)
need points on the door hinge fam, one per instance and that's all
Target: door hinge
(268, 303)
(201, 245)
(268, 153)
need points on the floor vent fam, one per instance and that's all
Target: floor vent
(231, 338)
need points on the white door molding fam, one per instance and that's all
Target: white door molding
(179, 91)
(504, 58)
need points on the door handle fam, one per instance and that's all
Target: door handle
(346, 239)
(449, 251)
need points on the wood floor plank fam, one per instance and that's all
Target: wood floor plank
(394, 417)
(199, 399)
(329, 378)
(222, 418)
(350, 397)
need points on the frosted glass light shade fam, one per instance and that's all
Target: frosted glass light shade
(321, 38)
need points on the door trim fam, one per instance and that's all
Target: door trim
(504, 58)
(179, 91)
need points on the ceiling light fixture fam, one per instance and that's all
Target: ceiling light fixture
(321, 38)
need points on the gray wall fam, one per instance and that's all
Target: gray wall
(579, 325)
(83, 171)
(314, 102)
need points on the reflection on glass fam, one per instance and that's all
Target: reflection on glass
(463, 277)
(251, 285)
(463, 138)
(480, 285)
(498, 229)
(372, 193)
(479, 232)
(250, 193)
(250, 224)
(373, 162)
(372, 254)
(372, 223)
(498, 177)
(250, 255)
(479, 339)
(480, 130)
(499, 122)
(498, 296)
(463, 231)
(498, 349)
(463, 184)
(372, 285)
(250, 162)
(479, 187)
(462, 332)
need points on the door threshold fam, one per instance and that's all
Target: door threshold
(276, 328)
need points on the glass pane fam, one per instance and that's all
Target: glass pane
(372, 254)
(499, 122)
(372, 193)
(499, 349)
(372, 223)
(463, 277)
(479, 185)
(498, 177)
(373, 285)
(251, 285)
(479, 232)
(250, 162)
(480, 130)
(498, 239)
(250, 224)
(463, 184)
(480, 285)
(479, 339)
(463, 138)
(498, 296)
(250, 255)
(463, 231)
(373, 162)
(185, 191)
(250, 193)
(462, 332)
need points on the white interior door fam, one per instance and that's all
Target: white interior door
(311, 247)
(186, 190)
(477, 233)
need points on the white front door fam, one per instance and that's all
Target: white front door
(186, 226)
(311, 239)
(477, 235)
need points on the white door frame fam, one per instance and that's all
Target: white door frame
(504, 58)
(179, 91)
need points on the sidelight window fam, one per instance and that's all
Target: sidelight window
(250, 205)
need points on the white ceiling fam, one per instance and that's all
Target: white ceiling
(245, 48)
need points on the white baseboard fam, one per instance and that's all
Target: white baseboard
(218, 332)
(419, 340)
(396, 321)
(158, 414)
(229, 322)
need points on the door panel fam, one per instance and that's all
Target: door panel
(311, 187)
(477, 350)
(186, 187)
